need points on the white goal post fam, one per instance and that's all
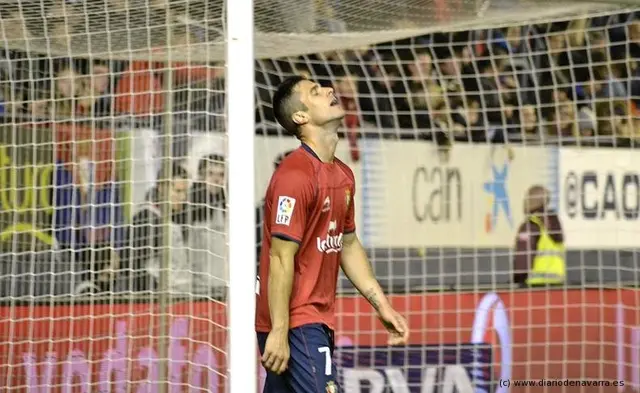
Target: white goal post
(241, 131)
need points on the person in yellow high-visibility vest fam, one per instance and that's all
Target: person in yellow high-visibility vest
(539, 251)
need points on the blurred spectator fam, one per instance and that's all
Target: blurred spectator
(510, 82)
(563, 124)
(634, 61)
(515, 39)
(487, 97)
(424, 94)
(80, 89)
(87, 196)
(142, 258)
(529, 124)
(587, 126)
(634, 36)
(207, 227)
(381, 92)
(453, 55)
(346, 89)
(615, 119)
(591, 78)
(539, 249)
(426, 98)
(81, 92)
(139, 90)
(553, 60)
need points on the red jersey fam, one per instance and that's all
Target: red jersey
(309, 202)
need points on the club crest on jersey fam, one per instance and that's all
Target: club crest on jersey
(347, 197)
(331, 387)
(285, 210)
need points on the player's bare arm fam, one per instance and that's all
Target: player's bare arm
(281, 271)
(357, 268)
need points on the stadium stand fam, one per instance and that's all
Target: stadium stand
(575, 83)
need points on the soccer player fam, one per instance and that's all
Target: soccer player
(308, 234)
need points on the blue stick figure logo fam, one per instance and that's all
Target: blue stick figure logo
(499, 196)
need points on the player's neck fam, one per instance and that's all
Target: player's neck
(324, 145)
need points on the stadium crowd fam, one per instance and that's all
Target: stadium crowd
(566, 82)
(573, 82)
(576, 81)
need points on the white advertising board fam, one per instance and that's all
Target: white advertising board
(599, 197)
(472, 199)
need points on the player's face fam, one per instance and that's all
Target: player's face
(322, 104)
(178, 193)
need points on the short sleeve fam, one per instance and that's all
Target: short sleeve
(350, 222)
(291, 194)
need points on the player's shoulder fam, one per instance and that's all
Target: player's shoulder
(297, 166)
(345, 168)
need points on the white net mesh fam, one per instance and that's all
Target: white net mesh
(113, 268)
(127, 29)
(110, 155)
(446, 134)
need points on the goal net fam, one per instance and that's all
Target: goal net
(451, 136)
(114, 264)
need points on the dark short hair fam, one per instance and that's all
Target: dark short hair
(164, 178)
(177, 171)
(285, 105)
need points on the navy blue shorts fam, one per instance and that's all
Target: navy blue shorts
(311, 368)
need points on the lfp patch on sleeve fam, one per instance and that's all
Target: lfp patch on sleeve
(285, 210)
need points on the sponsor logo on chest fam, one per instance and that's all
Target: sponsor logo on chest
(332, 243)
